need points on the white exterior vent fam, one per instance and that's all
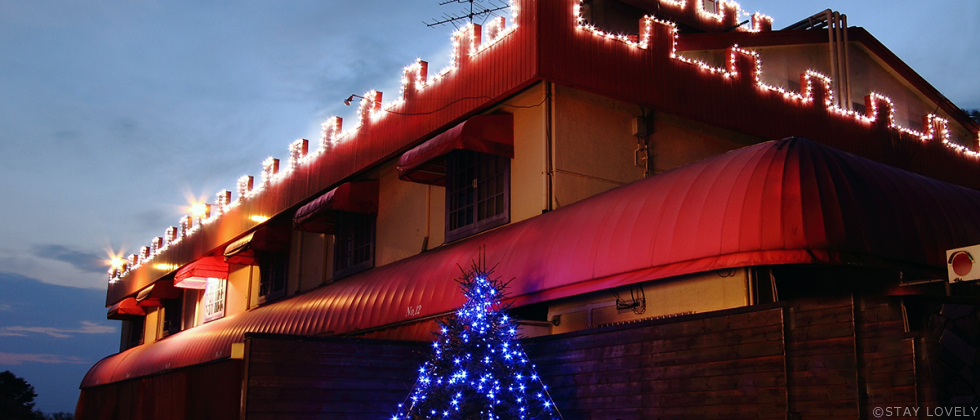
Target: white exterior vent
(962, 264)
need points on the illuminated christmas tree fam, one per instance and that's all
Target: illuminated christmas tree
(478, 369)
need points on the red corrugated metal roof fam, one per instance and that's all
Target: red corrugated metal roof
(781, 202)
(493, 134)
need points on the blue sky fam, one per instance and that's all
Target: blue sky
(114, 113)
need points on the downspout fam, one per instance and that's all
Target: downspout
(549, 147)
(847, 64)
(834, 79)
(842, 100)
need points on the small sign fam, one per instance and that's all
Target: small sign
(962, 264)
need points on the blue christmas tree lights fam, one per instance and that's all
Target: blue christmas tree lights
(478, 369)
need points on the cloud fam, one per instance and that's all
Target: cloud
(87, 328)
(21, 358)
(5, 307)
(84, 261)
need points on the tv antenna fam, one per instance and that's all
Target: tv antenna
(477, 10)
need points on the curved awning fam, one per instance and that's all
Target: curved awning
(196, 274)
(426, 164)
(265, 238)
(782, 202)
(153, 294)
(355, 197)
(127, 308)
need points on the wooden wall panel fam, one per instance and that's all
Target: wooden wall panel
(292, 377)
(728, 366)
(211, 391)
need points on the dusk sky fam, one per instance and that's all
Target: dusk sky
(114, 115)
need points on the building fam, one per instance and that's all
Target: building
(669, 259)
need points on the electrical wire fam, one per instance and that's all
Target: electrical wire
(463, 99)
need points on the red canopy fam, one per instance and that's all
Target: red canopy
(493, 134)
(152, 295)
(195, 275)
(265, 238)
(126, 309)
(783, 202)
(354, 197)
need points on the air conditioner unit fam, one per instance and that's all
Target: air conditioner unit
(962, 264)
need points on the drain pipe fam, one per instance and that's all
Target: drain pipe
(843, 101)
(847, 64)
(834, 73)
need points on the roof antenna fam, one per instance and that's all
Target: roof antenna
(477, 10)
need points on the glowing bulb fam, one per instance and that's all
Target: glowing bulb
(199, 209)
(116, 262)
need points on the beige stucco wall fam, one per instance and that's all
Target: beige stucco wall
(783, 65)
(239, 282)
(593, 145)
(151, 330)
(404, 220)
(694, 293)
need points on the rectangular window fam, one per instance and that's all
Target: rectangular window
(133, 332)
(477, 193)
(272, 275)
(172, 316)
(354, 246)
(214, 299)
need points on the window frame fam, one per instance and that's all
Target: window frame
(218, 291)
(347, 229)
(453, 161)
(135, 332)
(273, 271)
(172, 321)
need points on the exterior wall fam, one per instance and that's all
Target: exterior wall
(151, 330)
(783, 65)
(239, 293)
(192, 308)
(678, 141)
(593, 145)
(528, 169)
(670, 297)
(308, 262)
(870, 74)
(407, 214)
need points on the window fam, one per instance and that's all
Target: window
(132, 335)
(477, 193)
(272, 275)
(172, 314)
(214, 299)
(354, 246)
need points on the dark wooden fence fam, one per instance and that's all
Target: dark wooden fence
(211, 391)
(817, 358)
(334, 378)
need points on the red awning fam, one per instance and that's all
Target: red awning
(126, 309)
(153, 294)
(195, 275)
(355, 197)
(265, 238)
(791, 201)
(493, 134)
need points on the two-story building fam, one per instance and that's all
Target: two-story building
(700, 216)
